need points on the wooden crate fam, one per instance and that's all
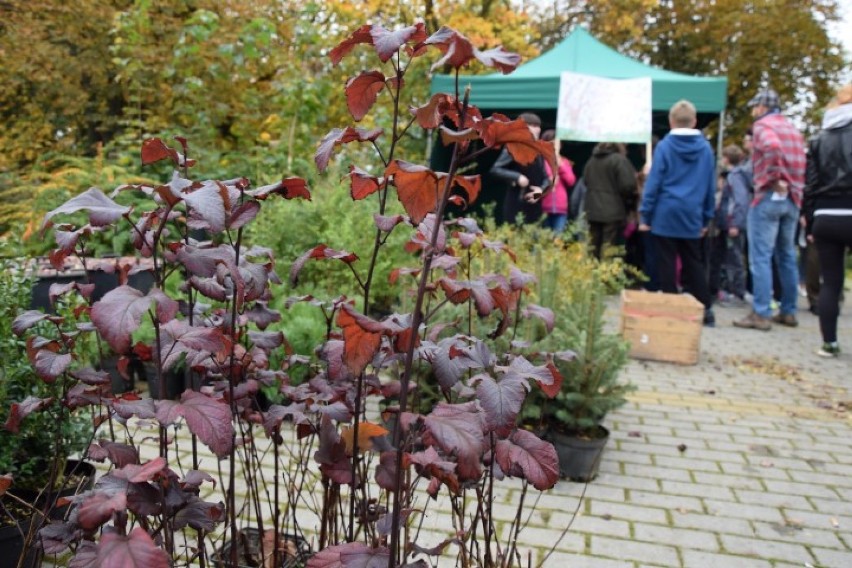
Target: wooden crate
(662, 327)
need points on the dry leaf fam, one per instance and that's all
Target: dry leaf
(835, 523)
(766, 463)
(634, 434)
(5, 483)
(366, 431)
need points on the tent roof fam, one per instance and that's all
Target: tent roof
(535, 84)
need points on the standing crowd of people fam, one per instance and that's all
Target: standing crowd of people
(723, 234)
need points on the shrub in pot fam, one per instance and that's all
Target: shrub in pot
(331, 459)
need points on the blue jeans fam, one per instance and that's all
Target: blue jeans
(556, 222)
(771, 232)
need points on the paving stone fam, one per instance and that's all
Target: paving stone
(710, 523)
(582, 561)
(632, 550)
(666, 501)
(681, 538)
(822, 478)
(762, 470)
(805, 489)
(688, 464)
(832, 506)
(791, 531)
(656, 472)
(832, 558)
(591, 524)
(700, 559)
(699, 490)
(628, 482)
(766, 549)
(772, 499)
(743, 511)
(730, 481)
(629, 512)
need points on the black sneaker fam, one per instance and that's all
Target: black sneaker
(709, 318)
(829, 350)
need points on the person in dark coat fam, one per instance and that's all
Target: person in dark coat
(827, 208)
(526, 183)
(610, 194)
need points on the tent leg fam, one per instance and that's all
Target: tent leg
(719, 138)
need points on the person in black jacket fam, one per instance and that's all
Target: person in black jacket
(526, 183)
(611, 194)
(827, 209)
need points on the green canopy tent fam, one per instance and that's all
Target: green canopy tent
(534, 86)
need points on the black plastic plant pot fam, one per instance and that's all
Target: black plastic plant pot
(298, 552)
(12, 538)
(579, 457)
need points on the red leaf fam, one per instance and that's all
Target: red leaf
(500, 59)
(5, 483)
(49, 364)
(544, 314)
(362, 92)
(20, 410)
(144, 473)
(178, 337)
(525, 455)
(319, 252)
(102, 210)
(211, 202)
(133, 551)
(338, 136)
(387, 42)
(472, 185)
(518, 139)
(457, 49)
(27, 320)
(361, 35)
(362, 184)
(118, 314)
(552, 388)
(519, 279)
(386, 224)
(501, 401)
(98, 509)
(366, 432)
(432, 114)
(200, 515)
(210, 420)
(360, 345)
(458, 430)
(154, 150)
(288, 188)
(243, 214)
(418, 188)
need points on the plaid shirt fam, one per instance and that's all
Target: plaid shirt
(779, 154)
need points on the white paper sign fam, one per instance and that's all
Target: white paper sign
(594, 109)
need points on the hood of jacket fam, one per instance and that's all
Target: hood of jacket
(837, 117)
(688, 143)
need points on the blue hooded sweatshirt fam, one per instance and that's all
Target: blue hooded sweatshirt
(679, 196)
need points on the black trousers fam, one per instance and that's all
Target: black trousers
(693, 273)
(833, 235)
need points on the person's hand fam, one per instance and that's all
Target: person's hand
(733, 232)
(703, 232)
(523, 181)
(644, 228)
(534, 194)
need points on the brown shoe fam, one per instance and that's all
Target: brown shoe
(786, 319)
(754, 321)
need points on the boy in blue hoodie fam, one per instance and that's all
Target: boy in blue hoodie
(679, 202)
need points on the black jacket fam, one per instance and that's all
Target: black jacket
(828, 178)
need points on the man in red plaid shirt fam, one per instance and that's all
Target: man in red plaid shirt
(779, 177)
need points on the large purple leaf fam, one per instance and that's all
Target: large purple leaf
(90, 376)
(522, 369)
(102, 210)
(141, 408)
(388, 42)
(135, 473)
(525, 455)
(500, 401)
(118, 314)
(178, 337)
(458, 430)
(211, 202)
(136, 550)
(98, 508)
(26, 320)
(242, 214)
(200, 515)
(49, 364)
(542, 313)
(350, 555)
(210, 420)
(203, 261)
